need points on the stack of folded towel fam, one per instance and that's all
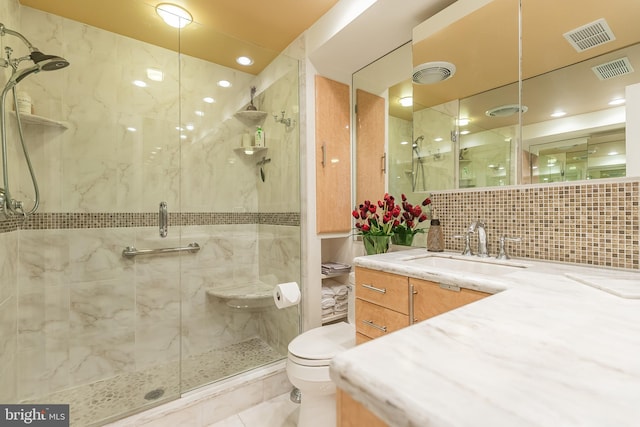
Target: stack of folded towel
(334, 298)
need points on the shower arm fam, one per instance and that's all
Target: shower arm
(4, 31)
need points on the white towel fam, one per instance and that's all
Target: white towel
(327, 311)
(328, 302)
(341, 298)
(341, 307)
(327, 291)
(340, 290)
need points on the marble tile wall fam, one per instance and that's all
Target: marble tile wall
(86, 313)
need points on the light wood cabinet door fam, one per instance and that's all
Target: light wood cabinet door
(375, 321)
(333, 157)
(385, 289)
(370, 155)
(430, 299)
(352, 413)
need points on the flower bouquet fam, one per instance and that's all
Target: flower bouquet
(375, 223)
(406, 227)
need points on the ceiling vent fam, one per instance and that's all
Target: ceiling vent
(506, 110)
(433, 72)
(590, 35)
(612, 69)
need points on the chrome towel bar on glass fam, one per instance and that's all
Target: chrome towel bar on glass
(131, 251)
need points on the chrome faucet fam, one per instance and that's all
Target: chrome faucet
(482, 237)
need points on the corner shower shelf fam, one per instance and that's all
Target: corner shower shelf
(251, 118)
(256, 150)
(32, 119)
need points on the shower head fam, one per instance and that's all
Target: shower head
(48, 62)
(18, 76)
(418, 140)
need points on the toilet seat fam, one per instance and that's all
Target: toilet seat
(316, 347)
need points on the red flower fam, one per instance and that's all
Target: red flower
(355, 214)
(426, 202)
(365, 227)
(404, 198)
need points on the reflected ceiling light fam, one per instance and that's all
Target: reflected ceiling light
(406, 101)
(183, 136)
(139, 83)
(617, 101)
(224, 83)
(208, 100)
(465, 132)
(174, 15)
(612, 153)
(463, 121)
(244, 60)
(559, 114)
(438, 139)
(433, 72)
(506, 110)
(190, 126)
(131, 129)
(404, 142)
(155, 75)
(199, 113)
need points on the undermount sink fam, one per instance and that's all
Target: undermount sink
(463, 264)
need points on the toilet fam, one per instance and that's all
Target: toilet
(308, 368)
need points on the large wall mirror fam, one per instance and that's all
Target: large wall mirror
(556, 115)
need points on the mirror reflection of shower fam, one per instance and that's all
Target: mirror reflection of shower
(417, 166)
(36, 62)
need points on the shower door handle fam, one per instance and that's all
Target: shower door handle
(163, 219)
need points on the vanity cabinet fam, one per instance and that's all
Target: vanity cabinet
(382, 303)
(431, 299)
(387, 302)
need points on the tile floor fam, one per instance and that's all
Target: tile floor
(277, 412)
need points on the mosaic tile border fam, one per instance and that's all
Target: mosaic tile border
(50, 221)
(585, 223)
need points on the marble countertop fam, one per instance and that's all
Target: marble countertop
(544, 350)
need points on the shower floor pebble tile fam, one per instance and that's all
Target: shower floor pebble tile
(126, 393)
(277, 412)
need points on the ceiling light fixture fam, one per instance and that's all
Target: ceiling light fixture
(139, 83)
(559, 114)
(224, 83)
(406, 101)
(244, 60)
(174, 15)
(617, 101)
(463, 121)
(208, 100)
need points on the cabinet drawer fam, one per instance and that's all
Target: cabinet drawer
(431, 300)
(375, 321)
(385, 289)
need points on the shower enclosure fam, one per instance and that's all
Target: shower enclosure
(110, 140)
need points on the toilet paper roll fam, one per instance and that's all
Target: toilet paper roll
(286, 294)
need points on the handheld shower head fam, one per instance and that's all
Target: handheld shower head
(48, 62)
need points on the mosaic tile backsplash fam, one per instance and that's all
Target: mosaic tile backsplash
(586, 223)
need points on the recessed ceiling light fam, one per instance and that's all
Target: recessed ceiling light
(131, 129)
(463, 121)
(244, 60)
(174, 15)
(200, 113)
(617, 101)
(224, 83)
(612, 153)
(407, 101)
(559, 114)
(208, 100)
(139, 83)
(190, 126)
(404, 142)
(183, 136)
(155, 75)
(438, 139)
(465, 132)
